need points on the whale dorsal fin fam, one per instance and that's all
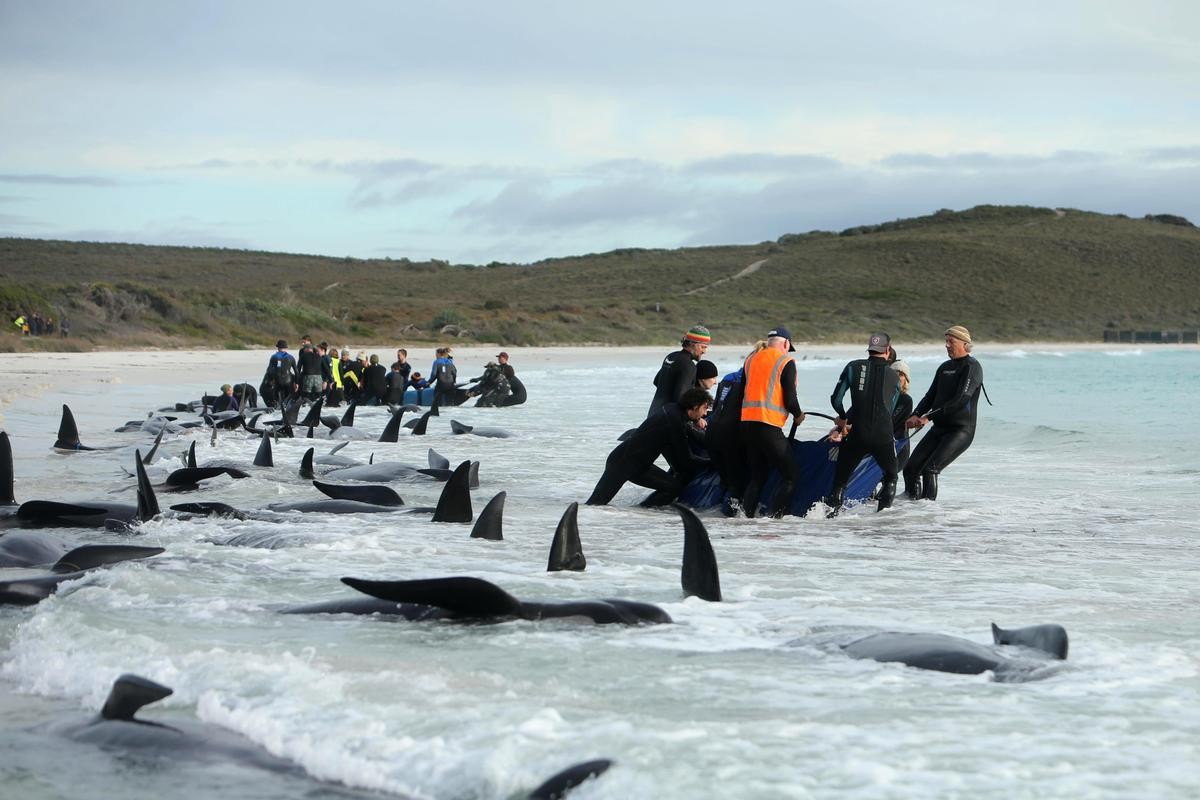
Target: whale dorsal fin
(566, 551)
(490, 524)
(391, 431)
(422, 423)
(438, 461)
(306, 464)
(263, 457)
(313, 418)
(7, 498)
(459, 427)
(1050, 639)
(129, 693)
(149, 459)
(147, 500)
(191, 456)
(348, 417)
(454, 504)
(337, 447)
(698, 575)
(68, 432)
(473, 597)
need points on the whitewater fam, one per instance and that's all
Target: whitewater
(1075, 505)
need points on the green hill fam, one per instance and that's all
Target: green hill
(1008, 273)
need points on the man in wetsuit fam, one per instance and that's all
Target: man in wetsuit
(661, 434)
(312, 372)
(867, 428)
(518, 395)
(952, 405)
(281, 379)
(768, 398)
(678, 371)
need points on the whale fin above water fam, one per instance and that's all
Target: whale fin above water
(699, 575)
(566, 551)
(557, 785)
(7, 475)
(438, 461)
(454, 503)
(348, 417)
(149, 458)
(190, 460)
(68, 432)
(129, 694)
(471, 597)
(147, 501)
(1049, 639)
(391, 431)
(313, 418)
(490, 524)
(375, 495)
(306, 464)
(264, 458)
(423, 423)
(90, 556)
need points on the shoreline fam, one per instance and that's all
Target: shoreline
(24, 376)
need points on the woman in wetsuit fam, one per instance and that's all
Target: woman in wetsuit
(952, 405)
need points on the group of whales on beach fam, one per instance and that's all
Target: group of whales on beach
(41, 563)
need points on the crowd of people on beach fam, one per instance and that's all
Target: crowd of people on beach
(334, 376)
(740, 432)
(34, 324)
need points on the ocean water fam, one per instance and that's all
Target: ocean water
(1075, 505)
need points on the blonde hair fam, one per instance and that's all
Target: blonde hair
(759, 346)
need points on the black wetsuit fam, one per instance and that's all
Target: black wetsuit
(722, 437)
(676, 375)
(281, 376)
(765, 447)
(518, 395)
(445, 382)
(954, 400)
(904, 408)
(874, 389)
(633, 459)
(397, 382)
(374, 385)
(312, 372)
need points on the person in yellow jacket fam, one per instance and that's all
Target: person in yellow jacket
(769, 398)
(21, 324)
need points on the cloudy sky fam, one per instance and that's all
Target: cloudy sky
(484, 130)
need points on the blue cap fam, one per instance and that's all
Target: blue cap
(784, 333)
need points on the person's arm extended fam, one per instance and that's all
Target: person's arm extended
(968, 385)
(787, 382)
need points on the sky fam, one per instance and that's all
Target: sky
(485, 130)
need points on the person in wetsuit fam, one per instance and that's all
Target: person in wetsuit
(662, 434)
(722, 437)
(444, 378)
(518, 395)
(768, 398)
(952, 405)
(678, 371)
(374, 383)
(903, 410)
(225, 400)
(867, 427)
(281, 379)
(311, 366)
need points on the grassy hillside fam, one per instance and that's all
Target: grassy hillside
(1008, 273)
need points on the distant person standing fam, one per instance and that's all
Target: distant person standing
(282, 378)
(952, 405)
(312, 372)
(64, 327)
(374, 383)
(403, 367)
(678, 371)
(518, 395)
(867, 427)
(768, 398)
(444, 377)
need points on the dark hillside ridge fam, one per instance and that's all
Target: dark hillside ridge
(1010, 273)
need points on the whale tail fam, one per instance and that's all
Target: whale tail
(557, 785)
(454, 504)
(306, 464)
(68, 432)
(375, 495)
(264, 457)
(147, 501)
(90, 556)
(391, 431)
(129, 693)
(1050, 639)
(471, 597)
(566, 551)
(7, 498)
(699, 575)
(490, 524)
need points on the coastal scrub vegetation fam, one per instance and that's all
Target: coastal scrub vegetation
(1012, 273)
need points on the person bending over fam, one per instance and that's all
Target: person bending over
(661, 434)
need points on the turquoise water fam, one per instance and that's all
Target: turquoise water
(1075, 505)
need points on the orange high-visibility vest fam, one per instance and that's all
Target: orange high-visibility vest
(763, 400)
